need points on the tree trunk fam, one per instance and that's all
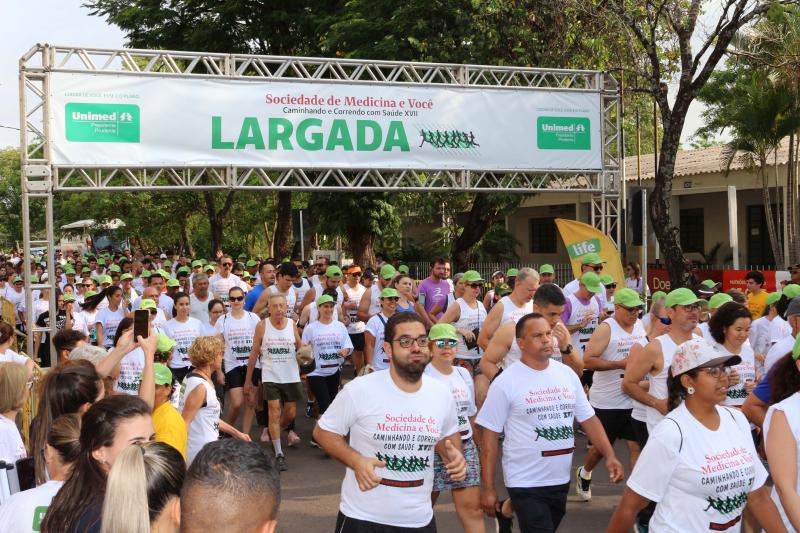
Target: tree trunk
(283, 230)
(483, 214)
(777, 251)
(659, 203)
(792, 203)
(362, 244)
(216, 219)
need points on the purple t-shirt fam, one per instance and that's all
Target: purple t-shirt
(435, 293)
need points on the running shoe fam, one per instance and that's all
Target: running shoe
(583, 487)
(309, 409)
(315, 444)
(281, 462)
(293, 439)
(504, 523)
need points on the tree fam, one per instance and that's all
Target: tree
(661, 33)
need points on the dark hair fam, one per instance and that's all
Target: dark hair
(737, 295)
(397, 319)
(782, 305)
(756, 276)
(784, 379)
(175, 299)
(520, 327)
(124, 324)
(64, 391)
(85, 488)
(230, 482)
(64, 437)
(287, 269)
(438, 261)
(548, 294)
(637, 271)
(676, 393)
(67, 339)
(235, 288)
(214, 302)
(726, 315)
(90, 304)
(332, 293)
(6, 331)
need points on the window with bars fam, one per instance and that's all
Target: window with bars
(543, 235)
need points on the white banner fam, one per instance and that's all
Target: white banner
(130, 120)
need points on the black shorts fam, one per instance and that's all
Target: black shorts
(587, 377)
(640, 432)
(358, 341)
(345, 524)
(235, 378)
(617, 423)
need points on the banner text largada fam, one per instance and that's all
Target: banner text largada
(107, 119)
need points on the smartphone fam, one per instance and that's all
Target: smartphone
(421, 298)
(141, 323)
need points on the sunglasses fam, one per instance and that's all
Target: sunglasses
(356, 274)
(450, 343)
(667, 321)
(597, 268)
(611, 286)
(391, 299)
(153, 311)
(236, 298)
(474, 285)
(228, 265)
(405, 341)
(630, 309)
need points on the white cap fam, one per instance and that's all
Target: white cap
(163, 256)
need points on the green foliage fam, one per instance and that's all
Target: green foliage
(11, 202)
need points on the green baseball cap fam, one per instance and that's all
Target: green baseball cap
(442, 331)
(659, 295)
(69, 271)
(592, 259)
(68, 298)
(197, 263)
(791, 291)
(146, 273)
(209, 268)
(246, 275)
(718, 299)
(389, 292)
(708, 286)
(251, 263)
(101, 261)
(34, 279)
(403, 269)
(114, 268)
(204, 261)
(89, 294)
(773, 297)
(172, 282)
(167, 263)
(591, 281)
(472, 276)
(106, 279)
(242, 256)
(86, 270)
(512, 272)
(605, 279)
(325, 299)
(502, 288)
(796, 348)
(546, 269)
(387, 272)
(126, 275)
(628, 298)
(164, 344)
(184, 270)
(147, 303)
(162, 373)
(164, 274)
(682, 296)
(333, 271)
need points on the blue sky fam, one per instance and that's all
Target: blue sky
(24, 23)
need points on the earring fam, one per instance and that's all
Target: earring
(690, 390)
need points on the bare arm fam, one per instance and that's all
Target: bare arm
(755, 410)
(193, 403)
(369, 346)
(363, 306)
(232, 431)
(451, 315)
(253, 356)
(362, 466)
(147, 387)
(490, 325)
(99, 329)
(625, 514)
(498, 347)
(310, 296)
(763, 508)
(262, 302)
(125, 345)
(782, 458)
(592, 354)
(595, 432)
(641, 362)
(489, 450)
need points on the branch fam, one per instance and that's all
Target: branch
(227, 205)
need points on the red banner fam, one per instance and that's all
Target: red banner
(658, 278)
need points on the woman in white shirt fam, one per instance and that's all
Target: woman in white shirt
(14, 387)
(730, 328)
(7, 355)
(782, 437)
(183, 329)
(633, 279)
(25, 510)
(215, 310)
(467, 315)
(700, 464)
(109, 317)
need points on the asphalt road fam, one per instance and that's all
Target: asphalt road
(311, 485)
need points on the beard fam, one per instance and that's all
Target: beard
(411, 372)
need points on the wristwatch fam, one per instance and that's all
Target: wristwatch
(568, 350)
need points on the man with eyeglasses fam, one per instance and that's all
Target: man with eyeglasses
(266, 275)
(16, 295)
(606, 354)
(330, 279)
(535, 402)
(512, 307)
(590, 262)
(375, 356)
(223, 281)
(396, 420)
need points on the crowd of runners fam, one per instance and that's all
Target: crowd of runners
(450, 374)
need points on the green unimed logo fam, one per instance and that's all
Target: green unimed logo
(102, 123)
(563, 133)
(578, 249)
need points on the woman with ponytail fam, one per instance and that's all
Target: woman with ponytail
(143, 490)
(25, 510)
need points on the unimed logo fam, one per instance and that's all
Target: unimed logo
(102, 123)
(563, 133)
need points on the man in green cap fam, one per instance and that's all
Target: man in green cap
(547, 274)
(331, 279)
(512, 307)
(590, 262)
(370, 304)
(606, 354)
(582, 312)
(708, 288)
(374, 353)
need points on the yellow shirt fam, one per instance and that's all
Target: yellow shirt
(756, 303)
(170, 427)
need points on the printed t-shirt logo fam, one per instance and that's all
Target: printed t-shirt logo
(103, 123)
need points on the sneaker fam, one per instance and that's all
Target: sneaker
(583, 487)
(309, 409)
(281, 462)
(264, 435)
(292, 439)
(504, 523)
(315, 444)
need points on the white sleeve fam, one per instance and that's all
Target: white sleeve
(494, 413)
(450, 422)
(473, 410)
(307, 333)
(346, 342)
(583, 409)
(653, 471)
(219, 326)
(761, 473)
(341, 414)
(14, 357)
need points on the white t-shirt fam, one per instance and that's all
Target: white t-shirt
(220, 286)
(462, 388)
(700, 478)
(199, 308)
(184, 334)
(471, 320)
(205, 424)
(536, 410)
(11, 445)
(16, 298)
(278, 361)
(10, 356)
(747, 371)
(109, 320)
(130, 372)
(354, 325)
(606, 391)
(778, 350)
(327, 340)
(790, 407)
(401, 429)
(778, 329)
(238, 335)
(703, 327)
(25, 510)
(376, 326)
(758, 334)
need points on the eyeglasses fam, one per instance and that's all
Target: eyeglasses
(474, 285)
(405, 341)
(667, 321)
(450, 343)
(630, 309)
(391, 299)
(227, 265)
(236, 298)
(690, 307)
(356, 274)
(597, 268)
(611, 286)
(153, 311)
(717, 371)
